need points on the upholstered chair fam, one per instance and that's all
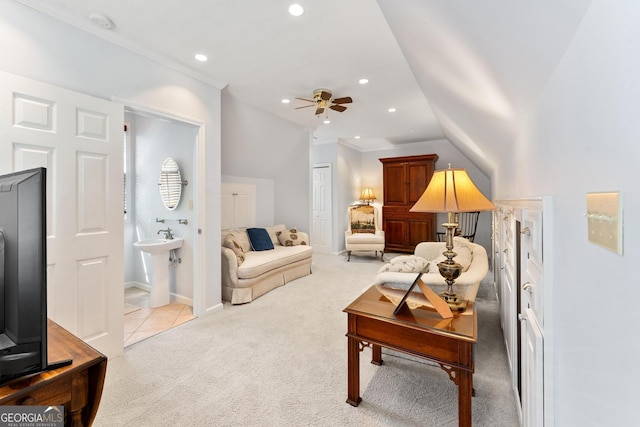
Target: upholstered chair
(364, 232)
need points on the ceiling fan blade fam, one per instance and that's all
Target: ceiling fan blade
(308, 100)
(305, 106)
(338, 108)
(345, 100)
(325, 96)
(319, 111)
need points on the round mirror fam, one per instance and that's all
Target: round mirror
(170, 184)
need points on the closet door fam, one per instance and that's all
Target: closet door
(238, 205)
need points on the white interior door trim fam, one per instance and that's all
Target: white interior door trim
(199, 246)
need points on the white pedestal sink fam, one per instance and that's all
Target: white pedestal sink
(159, 250)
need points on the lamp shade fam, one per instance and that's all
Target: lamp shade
(451, 190)
(367, 194)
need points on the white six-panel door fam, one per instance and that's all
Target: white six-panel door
(321, 211)
(78, 138)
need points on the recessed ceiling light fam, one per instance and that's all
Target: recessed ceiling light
(200, 57)
(391, 110)
(285, 101)
(296, 10)
(327, 121)
(357, 137)
(363, 81)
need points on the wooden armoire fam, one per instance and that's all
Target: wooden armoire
(404, 181)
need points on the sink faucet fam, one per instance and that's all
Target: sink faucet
(167, 233)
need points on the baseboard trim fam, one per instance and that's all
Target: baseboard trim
(174, 297)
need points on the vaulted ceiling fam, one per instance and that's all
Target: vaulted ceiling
(468, 71)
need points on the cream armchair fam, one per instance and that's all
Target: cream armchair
(364, 233)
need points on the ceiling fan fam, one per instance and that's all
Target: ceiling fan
(322, 99)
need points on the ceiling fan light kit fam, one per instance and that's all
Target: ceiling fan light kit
(322, 99)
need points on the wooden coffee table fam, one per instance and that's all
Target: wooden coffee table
(77, 386)
(419, 332)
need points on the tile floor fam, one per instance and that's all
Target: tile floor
(145, 322)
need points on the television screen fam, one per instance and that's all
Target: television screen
(23, 273)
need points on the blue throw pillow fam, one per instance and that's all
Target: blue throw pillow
(259, 238)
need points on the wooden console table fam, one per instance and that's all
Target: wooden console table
(77, 386)
(419, 332)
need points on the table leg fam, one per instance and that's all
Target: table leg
(353, 375)
(376, 354)
(465, 388)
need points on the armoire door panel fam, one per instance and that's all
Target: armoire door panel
(394, 190)
(418, 230)
(405, 179)
(419, 177)
(395, 233)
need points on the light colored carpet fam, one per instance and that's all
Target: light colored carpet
(282, 361)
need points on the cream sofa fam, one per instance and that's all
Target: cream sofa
(401, 270)
(248, 274)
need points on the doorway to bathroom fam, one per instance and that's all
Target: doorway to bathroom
(150, 139)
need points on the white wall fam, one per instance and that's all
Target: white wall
(350, 183)
(152, 141)
(293, 186)
(42, 48)
(260, 145)
(583, 138)
(265, 196)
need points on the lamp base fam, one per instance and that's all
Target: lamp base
(454, 303)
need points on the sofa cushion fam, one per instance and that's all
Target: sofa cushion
(259, 238)
(231, 242)
(273, 231)
(364, 239)
(406, 264)
(290, 238)
(257, 263)
(241, 237)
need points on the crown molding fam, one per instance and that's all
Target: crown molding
(111, 36)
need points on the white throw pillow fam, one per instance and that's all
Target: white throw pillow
(406, 264)
(231, 242)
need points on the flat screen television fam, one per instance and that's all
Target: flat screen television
(23, 274)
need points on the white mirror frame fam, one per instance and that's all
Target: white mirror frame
(170, 184)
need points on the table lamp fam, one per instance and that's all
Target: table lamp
(451, 191)
(367, 195)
